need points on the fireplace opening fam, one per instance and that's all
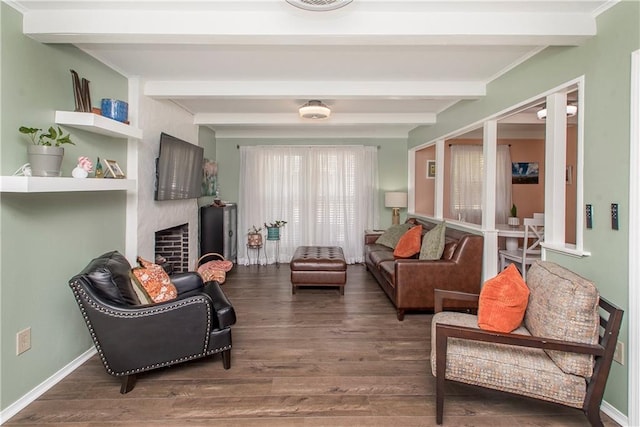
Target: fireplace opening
(172, 248)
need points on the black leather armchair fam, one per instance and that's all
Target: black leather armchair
(132, 338)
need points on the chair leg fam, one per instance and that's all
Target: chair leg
(400, 314)
(593, 415)
(128, 383)
(226, 359)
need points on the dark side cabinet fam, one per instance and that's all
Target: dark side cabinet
(218, 230)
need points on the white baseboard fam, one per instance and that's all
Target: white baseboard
(28, 398)
(615, 415)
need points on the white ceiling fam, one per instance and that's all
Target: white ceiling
(243, 67)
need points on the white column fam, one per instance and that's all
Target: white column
(131, 226)
(555, 164)
(489, 150)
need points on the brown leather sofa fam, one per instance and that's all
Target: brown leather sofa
(409, 282)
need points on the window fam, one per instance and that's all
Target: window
(327, 195)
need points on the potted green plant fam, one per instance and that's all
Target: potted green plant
(45, 153)
(273, 229)
(254, 237)
(513, 216)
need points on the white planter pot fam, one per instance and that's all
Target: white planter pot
(513, 221)
(45, 161)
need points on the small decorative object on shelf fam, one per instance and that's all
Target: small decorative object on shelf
(99, 170)
(112, 169)
(273, 229)
(254, 237)
(45, 153)
(513, 217)
(81, 92)
(115, 109)
(83, 168)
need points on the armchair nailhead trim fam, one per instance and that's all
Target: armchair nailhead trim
(82, 296)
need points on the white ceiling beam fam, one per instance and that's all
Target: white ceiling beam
(309, 132)
(294, 119)
(276, 26)
(315, 89)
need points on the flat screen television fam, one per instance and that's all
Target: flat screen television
(178, 169)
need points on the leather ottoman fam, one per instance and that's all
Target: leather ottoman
(318, 266)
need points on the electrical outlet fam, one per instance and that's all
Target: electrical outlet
(618, 355)
(23, 341)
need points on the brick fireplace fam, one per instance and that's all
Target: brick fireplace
(172, 248)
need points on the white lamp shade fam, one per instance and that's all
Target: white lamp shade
(395, 199)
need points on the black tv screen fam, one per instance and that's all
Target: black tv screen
(178, 169)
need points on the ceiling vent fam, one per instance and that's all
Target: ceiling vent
(319, 5)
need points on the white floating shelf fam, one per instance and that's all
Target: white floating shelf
(40, 184)
(97, 124)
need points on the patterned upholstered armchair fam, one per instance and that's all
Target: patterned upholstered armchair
(561, 353)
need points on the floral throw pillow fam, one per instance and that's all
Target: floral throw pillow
(155, 281)
(433, 242)
(393, 234)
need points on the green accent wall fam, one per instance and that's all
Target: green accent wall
(605, 61)
(48, 237)
(392, 165)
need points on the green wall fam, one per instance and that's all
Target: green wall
(392, 164)
(605, 61)
(48, 237)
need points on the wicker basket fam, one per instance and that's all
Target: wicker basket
(215, 270)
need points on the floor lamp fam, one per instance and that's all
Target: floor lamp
(395, 200)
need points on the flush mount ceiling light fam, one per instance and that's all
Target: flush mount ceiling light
(319, 5)
(315, 110)
(571, 111)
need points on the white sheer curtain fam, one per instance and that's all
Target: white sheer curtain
(503, 183)
(327, 195)
(466, 183)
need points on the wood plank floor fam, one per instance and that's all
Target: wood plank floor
(310, 359)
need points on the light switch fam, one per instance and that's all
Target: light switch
(589, 215)
(614, 216)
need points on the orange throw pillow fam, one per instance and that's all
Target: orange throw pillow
(409, 244)
(503, 301)
(154, 281)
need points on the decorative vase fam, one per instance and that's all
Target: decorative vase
(254, 240)
(78, 172)
(44, 160)
(513, 221)
(273, 233)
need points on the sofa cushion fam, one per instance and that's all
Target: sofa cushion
(155, 281)
(388, 270)
(409, 243)
(381, 256)
(520, 370)
(503, 301)
(393, 234)
(433, 242)
(108, 275)
(563, 305)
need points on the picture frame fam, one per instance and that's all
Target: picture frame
(112, 169)
(524, 172)
(431, 169)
